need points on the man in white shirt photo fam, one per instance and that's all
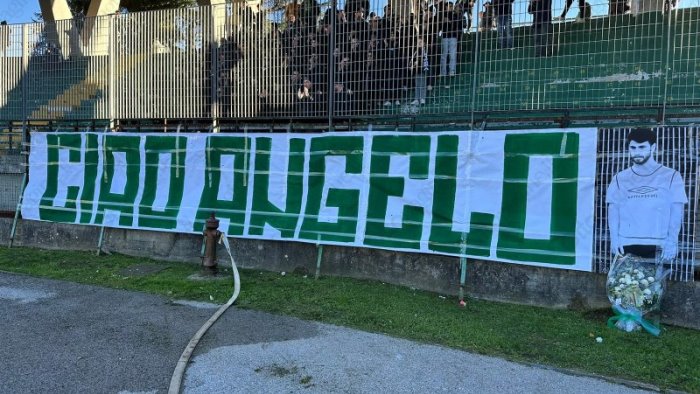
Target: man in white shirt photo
(645, 202)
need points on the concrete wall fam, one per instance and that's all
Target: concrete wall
(520, 284)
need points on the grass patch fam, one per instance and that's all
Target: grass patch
(558, 338)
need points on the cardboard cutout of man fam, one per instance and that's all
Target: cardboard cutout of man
(645, 202)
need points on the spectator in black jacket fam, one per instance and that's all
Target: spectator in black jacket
(503, 10)
(451, 29)
(392, 69)
(541, 11)
(486, 17)
(584, 10)
(429, 33)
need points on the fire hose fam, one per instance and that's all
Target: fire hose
(176, 380)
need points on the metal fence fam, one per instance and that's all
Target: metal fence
(246, 61)
(11, 165)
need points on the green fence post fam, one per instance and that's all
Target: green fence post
(463, 267)
(19, 206)
(99, 241)
(319, 256)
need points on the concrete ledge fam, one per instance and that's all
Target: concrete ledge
(494, 281)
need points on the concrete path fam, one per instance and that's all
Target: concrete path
(62, 337)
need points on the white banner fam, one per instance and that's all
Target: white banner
(516, 196)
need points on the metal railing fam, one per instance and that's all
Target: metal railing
(244, 63)
(241, 61)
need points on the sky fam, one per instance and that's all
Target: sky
(18, 11)
(22, 11)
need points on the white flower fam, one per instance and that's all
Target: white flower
(630, 285)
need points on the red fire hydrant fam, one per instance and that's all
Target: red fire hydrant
(211, 237)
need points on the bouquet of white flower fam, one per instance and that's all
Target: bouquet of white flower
(635, 286)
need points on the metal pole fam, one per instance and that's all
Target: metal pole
(475, 65)
(112, 53)
(331, 67)
(99, 241)
(204, 243)
(23, 145)
(19, 206)
(463, 267)
(463, 276)
(319, 257)
(25, 71)
(667, 66)
(214, 72)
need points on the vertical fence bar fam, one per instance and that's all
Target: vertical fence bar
(111, 61)
(319, 256)
(331, 66)
(692, 213)
(24, 74)
(668, 73)
(462, 267)
(214, 74)
(475, 68)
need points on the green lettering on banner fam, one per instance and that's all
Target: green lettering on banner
(155, 146)
(90, 180)
(263, 211)
(560, 248)
(381, 186)
(442, 238)
(347, 201)
(54, 144)
(233, 209)
(120, 202)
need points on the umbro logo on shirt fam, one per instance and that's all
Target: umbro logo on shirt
(643, 190)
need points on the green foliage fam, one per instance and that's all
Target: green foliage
(558, 338)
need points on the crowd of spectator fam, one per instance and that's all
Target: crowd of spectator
(379, 61)
(371, 61)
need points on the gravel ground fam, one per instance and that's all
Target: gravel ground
(63, 337)
(340, 360)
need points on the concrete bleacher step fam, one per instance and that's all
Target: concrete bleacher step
(71, 99)
(75, 96)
